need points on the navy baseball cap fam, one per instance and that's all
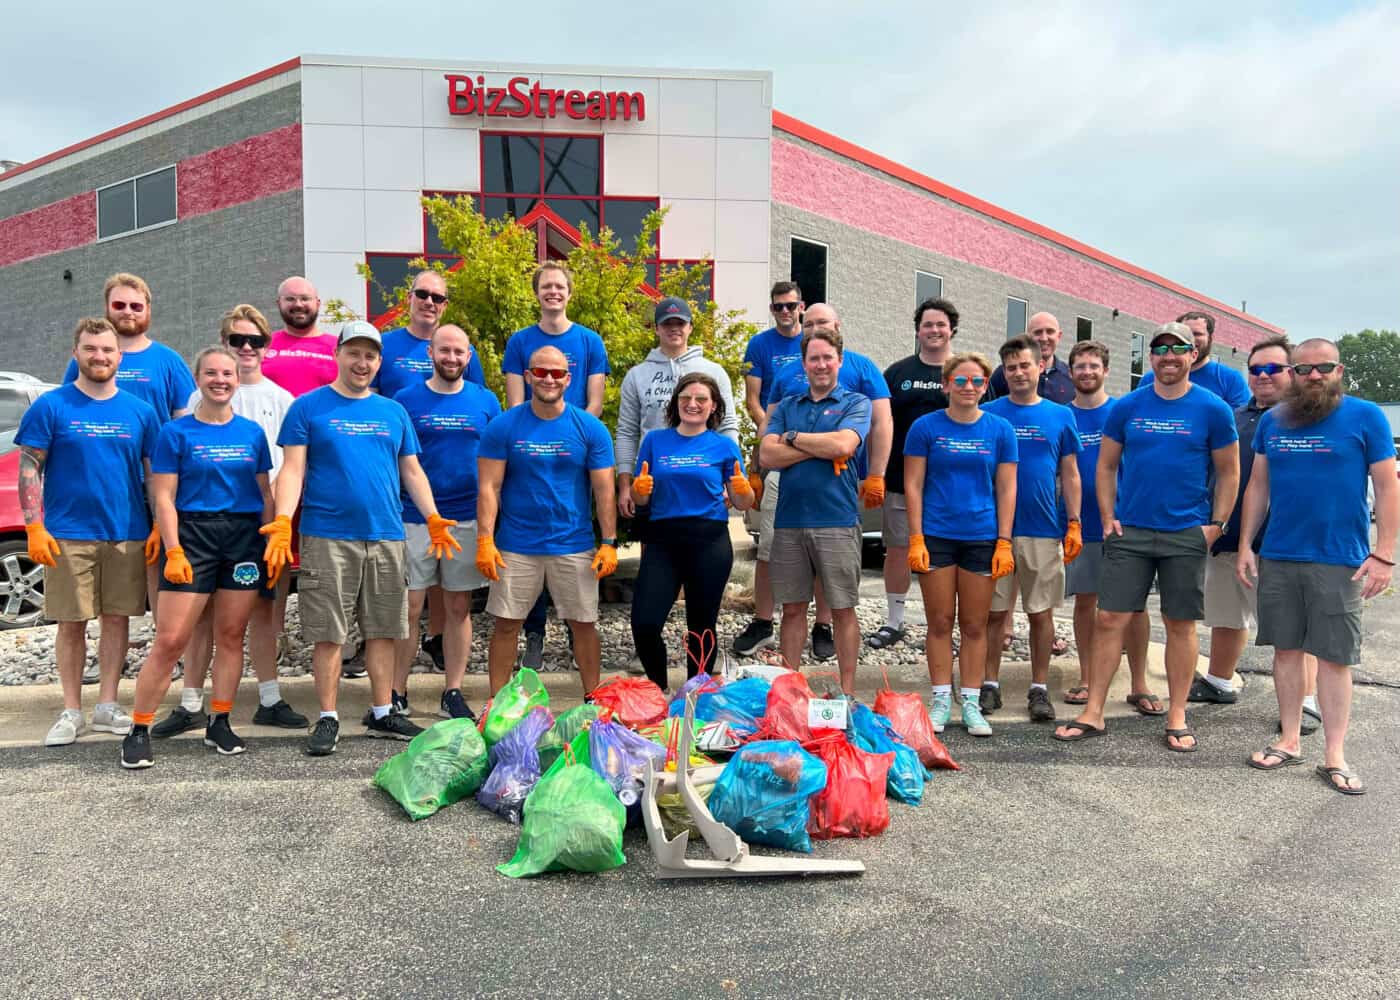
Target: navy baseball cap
(672, 308)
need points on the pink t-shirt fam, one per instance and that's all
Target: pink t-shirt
(300, 364)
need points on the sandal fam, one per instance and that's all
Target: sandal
(1179, 735)
(1077, 695)
(1353, 784)
(1274, 758)
(1142, 701)
(885, 637)
(1086, 732)
(1058, 646)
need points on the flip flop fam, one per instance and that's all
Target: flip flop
(1327, 774)
(1279, 759)
(1142, 701)
(1181, 734)
(1077, 695)
(1086, 732)
(1058, 646)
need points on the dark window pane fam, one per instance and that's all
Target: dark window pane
(1084, 328)
(500, 208)
(651, 273)
(116, 209)
(926, 286)
(155, 198)
(389, 273)
(624, 218)
(809, 269)
(1139, 349)
(571, 165)
(510, 164)
(1015, 316)
(576, 210)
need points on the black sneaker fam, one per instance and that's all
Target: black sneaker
(391, 727)
(1038, 704)
(533, 657)
(757, 634)
(454, 706)
(352, 667)
(823, 642)
(432, 645)
(221, 736)
(136, 749)
(990, 698)
(179, 720)
(324, 737)
(398, 705)
(281, 715)
(1204, 690)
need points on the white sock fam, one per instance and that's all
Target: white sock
(103, 706)
(381, 711)
(1310, 702)
(1220, 685)
(192, 699)
(269, 693)
(1040, 686)
(895, 604)
(331, 715)
(993, 684)
(943, 689)
(971, 694)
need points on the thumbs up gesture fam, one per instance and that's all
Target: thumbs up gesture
(739, 486)
(643, 485)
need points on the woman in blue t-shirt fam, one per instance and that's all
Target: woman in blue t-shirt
(690, 475)
(960, 490)
(210, 492)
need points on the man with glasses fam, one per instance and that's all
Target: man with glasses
(299, 357)
(1160, 523)
(1055, 383)
(1207, 372)
(407, 350)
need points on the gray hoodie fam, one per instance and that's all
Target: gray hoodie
(647, 390)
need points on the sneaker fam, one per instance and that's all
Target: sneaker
(756, 635)
(940, 711)
(91, 672)
(1204, 690)
(454, 706)
(1038, 704)
(432, 645)
(823, 642)
(634, 666)
(391, 727)
(110, 719)
(398, 703)
(281, 715)
(324, 737)
(353, 670)
(990, 699)
(221, 736)
(136, 749)
(178, 721)
(69, 727)
(533, 657)
(973, 720)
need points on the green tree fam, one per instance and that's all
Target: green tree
(1372, 360)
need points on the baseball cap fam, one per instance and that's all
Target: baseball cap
(358, 329)
(672, 308)
(1179, 332)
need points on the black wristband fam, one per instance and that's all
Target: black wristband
(1383, 562)
(610, 541)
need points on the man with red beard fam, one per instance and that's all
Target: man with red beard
(300, 357)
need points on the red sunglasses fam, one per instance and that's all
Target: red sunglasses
(558, 374)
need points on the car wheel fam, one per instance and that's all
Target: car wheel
(21, 587)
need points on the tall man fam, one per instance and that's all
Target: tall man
(407, 350)
(85, 449)
(1207, 372)
(1054, 383)
(1047, 440)
(1169, 437)
(538, 464)
(1312, 456)
(353, 452)
(811, 435)
(300, 357)
(916, 388)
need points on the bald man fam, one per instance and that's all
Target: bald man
(300, 357)
(1056, 384)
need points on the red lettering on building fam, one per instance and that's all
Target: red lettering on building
(522, 98)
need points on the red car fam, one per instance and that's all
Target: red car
(21, 579)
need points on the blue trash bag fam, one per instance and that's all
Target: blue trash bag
(515, 766)
(619, 756)
(763, 793)
(873, 733)
(740, 703)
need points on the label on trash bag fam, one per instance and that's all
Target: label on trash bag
(826, 713)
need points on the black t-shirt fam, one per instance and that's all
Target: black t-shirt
(916, 388)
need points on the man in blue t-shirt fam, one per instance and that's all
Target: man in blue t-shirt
(407, 354)
(1047, 442)
(1313, 454)
(537, 466)
(1169, 437)
(811, 438)
(355, 453)
(1207, 372)
(85, 449)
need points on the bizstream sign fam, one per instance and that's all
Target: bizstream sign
(521, 98)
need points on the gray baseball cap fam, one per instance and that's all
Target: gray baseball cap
(358, 329)
(1179, 332)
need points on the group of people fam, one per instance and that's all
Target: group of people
(372, 461)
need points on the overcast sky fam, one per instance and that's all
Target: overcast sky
(1247, 150)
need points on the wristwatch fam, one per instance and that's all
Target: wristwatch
(790, 438)
(1217, 524)
(610, 541)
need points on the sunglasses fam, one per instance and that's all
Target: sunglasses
(695, 400)
(424, 295)
(961, 381)
(1163, 349)
(1272, 368)
(778, 307)
(238, 341)
(136, 307)
(1323, 368)
(558, 374)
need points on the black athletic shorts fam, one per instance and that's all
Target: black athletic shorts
(975, 557)
(225, 551)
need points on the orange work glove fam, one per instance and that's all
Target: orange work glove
(604, 562)
(278, 552)
(918, 554)
(643, 485)
(1003, 562)
(488, 557)
(43, 547)
(739, 483)
(756, 484)
(872, 491)
(440, 540)
(177, 567)
(1074, 542)
(153, 546)
(838, 465)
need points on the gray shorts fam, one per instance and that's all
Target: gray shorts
(1177, 559)
(1082, 575)
(426, 570)
(830, 554)
(894, 522)
(1229, 603)
(1315, 607)
(340, 578)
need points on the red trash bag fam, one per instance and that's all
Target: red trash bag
(786, 715)
(853, 804)
(909, 718)
(634, 701)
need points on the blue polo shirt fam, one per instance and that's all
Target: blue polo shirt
(1045, 433)
(811, 494)
(1220, 379)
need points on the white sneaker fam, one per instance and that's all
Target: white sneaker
(110, 719)
(68, 728)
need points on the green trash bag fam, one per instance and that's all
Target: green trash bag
(565, 729)
(572, 821)
(579, 751)
(521, 695)
(444, 763)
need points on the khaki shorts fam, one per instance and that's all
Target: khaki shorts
(830, 554)
(1039, 576)
(426, 570)
(1229, 603)
(340, 578)
(95, 578)
(1315, 607)
(894, 522)
(767, 510)
(572, 586)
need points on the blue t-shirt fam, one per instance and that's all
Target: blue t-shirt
(1220, 379)
(1317, 483)
(767, 355)
(449, 429)
(156, 374)
(1166, 466)
(582, 347)
(546, 494)
(811, 494)
(690, 473)
(218, 464)
(353, 447)
(1090, 424)
(405, 362)
(1045, 433)
(960, 480)
(94, 469)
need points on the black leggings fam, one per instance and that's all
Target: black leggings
(690, 552)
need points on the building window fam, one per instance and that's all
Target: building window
(809, 269)
(1016, 314)
(1083, 328)
(135, 204)
(1138, 353)
(926, 286)
(389, 270)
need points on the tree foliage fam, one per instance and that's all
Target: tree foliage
(1372, 360)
